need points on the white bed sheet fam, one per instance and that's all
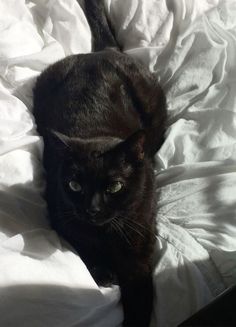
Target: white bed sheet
(191, 45)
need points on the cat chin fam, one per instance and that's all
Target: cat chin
(100, 222)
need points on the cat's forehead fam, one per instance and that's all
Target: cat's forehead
(92, 169)
(95, 147)
(99, 160)
(99, 170)
(91, 158)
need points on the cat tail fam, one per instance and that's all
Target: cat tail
(102, 32)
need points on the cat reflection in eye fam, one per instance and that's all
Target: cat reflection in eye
(102, 117)
(75, 186)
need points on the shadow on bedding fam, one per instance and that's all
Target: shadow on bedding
(42, 305)
(221, 204)
(183, 290)
(24, 224)
(21, 209)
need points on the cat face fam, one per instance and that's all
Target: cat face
(101, 179)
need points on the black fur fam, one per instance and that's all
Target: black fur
(102, 116)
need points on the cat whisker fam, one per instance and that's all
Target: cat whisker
(132, 221)
(117, 226)
(128, 224)
(137, 225)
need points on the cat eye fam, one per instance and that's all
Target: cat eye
(114, 187)
(75, 186)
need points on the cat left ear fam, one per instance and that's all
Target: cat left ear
(135, 146)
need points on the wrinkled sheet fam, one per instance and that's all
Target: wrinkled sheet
(191, 46)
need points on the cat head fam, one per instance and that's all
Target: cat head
(102, 179)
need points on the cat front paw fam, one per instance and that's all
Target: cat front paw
(103, 277)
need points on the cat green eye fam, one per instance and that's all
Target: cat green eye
(114, 187)
(75, 186)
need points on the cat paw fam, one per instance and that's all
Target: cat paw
(103, 277)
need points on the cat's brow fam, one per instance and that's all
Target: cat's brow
(125, 172)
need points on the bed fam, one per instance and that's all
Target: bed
(191, 46)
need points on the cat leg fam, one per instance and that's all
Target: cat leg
(137, 298)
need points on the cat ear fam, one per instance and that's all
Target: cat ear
(59, 141)
(135, 146)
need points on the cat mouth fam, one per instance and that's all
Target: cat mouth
(100, 222)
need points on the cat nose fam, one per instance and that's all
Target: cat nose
(93, 211)
(95, 205)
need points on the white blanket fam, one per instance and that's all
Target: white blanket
(191, 45)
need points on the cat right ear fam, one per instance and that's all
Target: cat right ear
(58, 141)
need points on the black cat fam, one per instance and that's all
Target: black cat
(102, 116)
